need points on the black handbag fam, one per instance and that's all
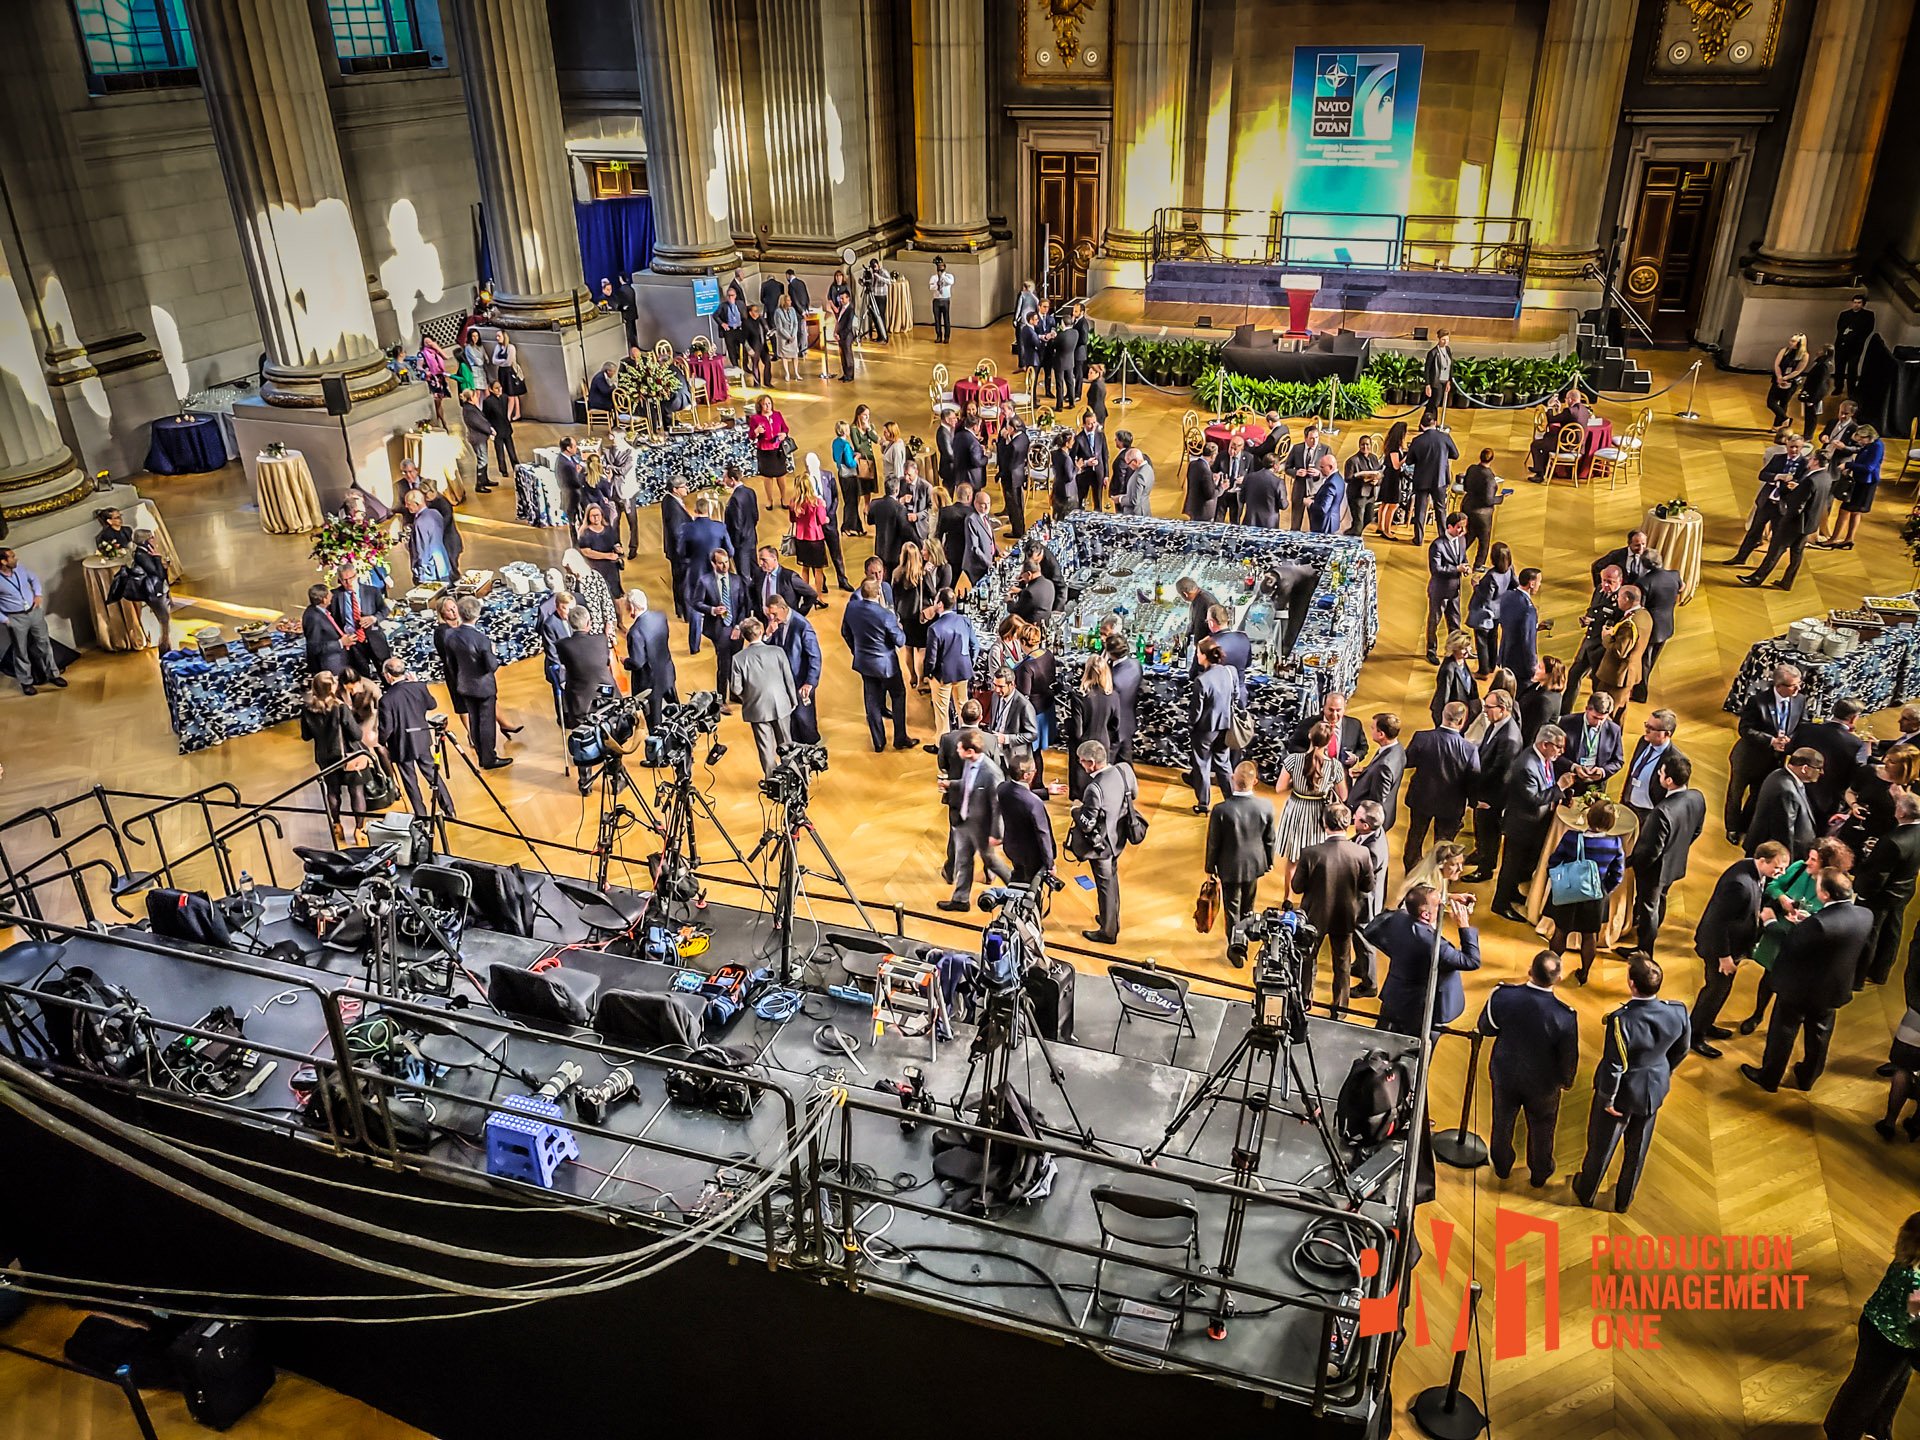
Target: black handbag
(381, 791)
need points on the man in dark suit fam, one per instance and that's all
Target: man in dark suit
(674, 518)
(1660, 593)
(355, 607)
(721, 601)
(495, 408)
(1595, 748)
(1812, 978)
(1236, 648)
(585, 664)
(970, 798)
(771, 578)
(1536, 1055)
(1262, 494)
(1667, 833)
(1446, 564)
(552, 627)
(1767, 723)
(322, 633)
(1303, 473)
(1012, 443)
(1349, 742)
(950, 660)
(1603, 612)
(1406, 936)
(1089, 454)
(1790, 463)
(1032, 597)
(1241, 836)
(1203, 486)
(969, 461)
(1334, 878)
(1024, 829)
(1632, 560)
(793, 633)
(1884, 883)
(1533, 790)
(949, 522)
(1782, 811)
(887, 519)
(1645, 1039)
(874, 637)
(802, 302)
(1200, 605)
(701, 538)
(1010, 722)
(1444, 764)
(649, 659)
(1100, 813)
(742, 520)
(1799, 511)
(407, 738)
(1430, 457)
(1128, 675)
(1231, 470)
(1292, 587)
(1844, 755)
(1498, 747)
(845, 330)
(1370, 834)
(470, 663)
(1209, 718)
(1728, 929)
(1379, 779)
(1519, 619)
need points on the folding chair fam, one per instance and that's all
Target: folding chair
(1150, 1217)
(1161, 999)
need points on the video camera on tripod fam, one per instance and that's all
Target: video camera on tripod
(787, 784)
(599, 741)
(671, 743)
(1287, 943)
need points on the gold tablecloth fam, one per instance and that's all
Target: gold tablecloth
(1619, 904)
(438, 455)
(900, 306)
(117, 625)
(289, 505)
(1678, 541)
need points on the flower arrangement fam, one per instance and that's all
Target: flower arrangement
(983, 370)
(653, 382)
(276, 450)
(1672, 509)
(111, 550)
(1043, 420)
(700, 345)
(342, 538)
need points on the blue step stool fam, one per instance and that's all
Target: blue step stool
(529, 1145)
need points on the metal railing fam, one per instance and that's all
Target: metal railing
(1471, 244)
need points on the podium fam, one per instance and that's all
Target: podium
(1301, 291)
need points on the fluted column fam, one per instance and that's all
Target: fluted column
(1152, 50)
(37, 470)
(680, 110)
(506, 69)
(272, 127)
(1846, 92)
(1580, 84)
(950, 123)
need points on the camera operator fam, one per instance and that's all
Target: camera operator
(1101, 824)
(407, 735)
(762, 682)
(1406, 937)
(650, 658)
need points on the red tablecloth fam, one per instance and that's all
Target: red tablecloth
(713, 370)
(967, 391)
(1599, 437)
(1254, 431)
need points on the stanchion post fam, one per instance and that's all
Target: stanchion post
(1690, 413)
(1442, 1411)
(1126, 359)
(1460, 1147)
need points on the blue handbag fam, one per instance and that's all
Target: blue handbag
(1572, 881)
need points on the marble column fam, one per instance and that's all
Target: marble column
(680, 112)
(1845, 95)
(519, 141)
(1152, 52)
(260, 69)
(38, 474)
(1578, 92)
(950, 123)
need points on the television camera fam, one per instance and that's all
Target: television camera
(787, 783)
(603, 739)
(1287, 943)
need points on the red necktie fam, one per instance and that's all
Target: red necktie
(353, 610)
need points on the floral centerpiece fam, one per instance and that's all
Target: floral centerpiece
(342, 538)
(1672, 509)
(983, 370)
(700, 345)
(276, 450)
(654, 381)
(111, 549)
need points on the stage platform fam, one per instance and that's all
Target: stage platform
(862, 1188)
(1121, 312)
(1462, 294)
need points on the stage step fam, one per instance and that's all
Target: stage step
(1610, 367)
(1413, 292)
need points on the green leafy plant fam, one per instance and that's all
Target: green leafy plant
(1220, 390)
(1162, 362)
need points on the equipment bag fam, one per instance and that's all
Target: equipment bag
(1373, 1103)
(1051, 991)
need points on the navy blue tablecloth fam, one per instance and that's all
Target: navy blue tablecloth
(186, 447)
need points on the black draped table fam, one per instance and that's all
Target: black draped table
(186, 445)
(1128, 564)
(245, 691)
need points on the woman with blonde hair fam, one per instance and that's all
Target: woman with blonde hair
(1094, 717)
(1888, 1348)
(893, 451)
(913, 597)
(786, 337)
(1789, 364)
(810, 519)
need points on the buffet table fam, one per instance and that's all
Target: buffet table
(1880, 672)
(700, 454)
(1120, 563)
(244, 691)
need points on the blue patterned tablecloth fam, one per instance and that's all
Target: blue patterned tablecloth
(701, 457)
(1881, 673)
(209, 701)
(1339, 631)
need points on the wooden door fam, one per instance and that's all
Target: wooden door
(1664, 272)
(1066, 210)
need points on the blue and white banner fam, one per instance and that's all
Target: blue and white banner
(1350, 136)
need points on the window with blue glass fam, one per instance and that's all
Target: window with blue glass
(135, 44)
(374, 35)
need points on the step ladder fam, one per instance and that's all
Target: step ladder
(906, 990)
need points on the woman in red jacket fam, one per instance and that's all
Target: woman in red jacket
(770, 438)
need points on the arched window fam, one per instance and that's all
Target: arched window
(135, 44)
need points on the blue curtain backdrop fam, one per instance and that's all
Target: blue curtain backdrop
(616, 237)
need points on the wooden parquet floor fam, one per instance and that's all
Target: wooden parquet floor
(1726, 1159)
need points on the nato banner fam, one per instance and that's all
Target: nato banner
(1351, 139)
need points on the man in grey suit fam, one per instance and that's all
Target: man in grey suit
(1370, 834)
(1667, 833)
(1335, 879)
(970, 799)
(1241, 836)
(1379, 779)
(762, 683)
(1209, 716)
(1099, 815)
(1782, 811)
(1138, 496)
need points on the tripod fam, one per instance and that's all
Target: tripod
(679, 841)
(615, 818)
(993, 1046)
(785, 838)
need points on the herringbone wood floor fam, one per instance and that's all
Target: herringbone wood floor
(1726, 1158)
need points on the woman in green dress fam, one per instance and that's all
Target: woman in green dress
(1795, 890)
(1889, 1348)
